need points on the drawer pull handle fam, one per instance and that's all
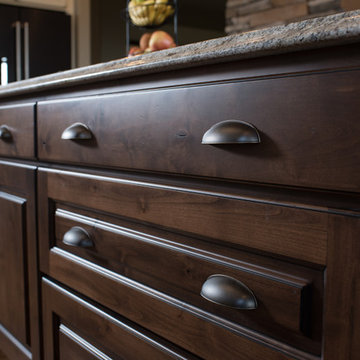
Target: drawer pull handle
(227, 291)
(5, 133)
(77, 236)
(77, 131)
(231, 132)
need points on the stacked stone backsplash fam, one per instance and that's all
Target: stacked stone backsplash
(244, 15)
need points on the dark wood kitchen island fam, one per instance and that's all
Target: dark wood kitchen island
(196, 203)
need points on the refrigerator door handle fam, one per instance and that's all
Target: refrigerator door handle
(26, 50)
(18, 49)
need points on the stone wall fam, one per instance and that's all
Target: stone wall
(244, 15)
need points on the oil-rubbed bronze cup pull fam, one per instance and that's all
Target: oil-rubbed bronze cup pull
(77, 236)
(227, 291)
(77, 131)
(5, 133)
(231, 132)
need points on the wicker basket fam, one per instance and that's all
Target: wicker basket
(150, 14)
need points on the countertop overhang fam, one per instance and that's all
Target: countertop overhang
(338, 29)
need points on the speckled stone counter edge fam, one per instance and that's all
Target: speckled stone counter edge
(336, 29)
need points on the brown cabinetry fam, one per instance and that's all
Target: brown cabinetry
(145, 245)
(13, 309)
(159, 267)
(76, 329)
(18, 265)
(306, 126)
(153, 245)
(17, 131)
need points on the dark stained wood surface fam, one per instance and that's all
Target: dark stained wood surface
(2, 356)
(20, 121)
(189, 327)
(285, 300)
(283, 230)
(305, 105)
(13, 312)
(308, 125)
(342, 316)
(72, 349)
(11, 347)
(19, 266)
(75, 329)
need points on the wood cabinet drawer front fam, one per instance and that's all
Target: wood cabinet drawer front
(76, 329)
(182, 324)
(275, 229)
(17, 131)
(307, 124)
(286, 295)
(169, 241)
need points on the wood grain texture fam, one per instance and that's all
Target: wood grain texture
(95, 331)
(11, 348)
(283, 230)
(19, 261)
(308, 126)
(20, 121)
(342, 317)
(2, 356)
(70, 349)
(191, 328)
(306, 107)
(285, 300)
(13, 311)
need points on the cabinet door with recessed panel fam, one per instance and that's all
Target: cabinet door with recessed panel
(18, 286)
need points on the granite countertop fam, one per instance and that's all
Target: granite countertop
(335, 29)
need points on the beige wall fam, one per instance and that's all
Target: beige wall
(60, 5)
(350, 4)
(81, 31)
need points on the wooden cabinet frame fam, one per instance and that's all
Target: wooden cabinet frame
(17, 188)
(337, 208)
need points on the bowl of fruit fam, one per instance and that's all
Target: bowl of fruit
(149, 12)
(149, 42)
